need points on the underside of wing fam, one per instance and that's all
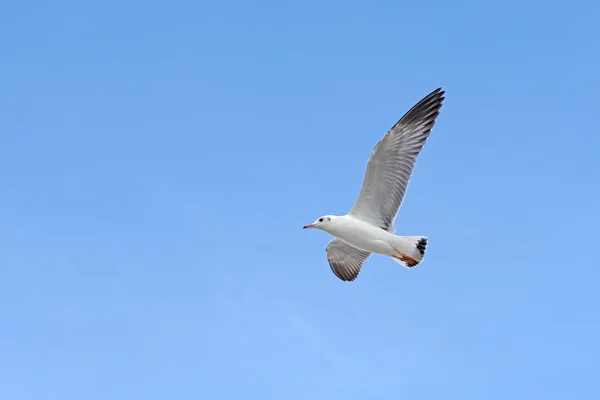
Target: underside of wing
(392, 161)
(345, 261)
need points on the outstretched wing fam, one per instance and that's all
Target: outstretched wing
(391, 164)
(345, 261)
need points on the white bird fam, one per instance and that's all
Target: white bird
(369, 226)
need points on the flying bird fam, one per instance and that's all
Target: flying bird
(369, 226)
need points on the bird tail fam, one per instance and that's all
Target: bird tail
(409, 250)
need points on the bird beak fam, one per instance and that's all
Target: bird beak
(309, 226)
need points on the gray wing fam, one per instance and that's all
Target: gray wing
(345, 261)
(391, 164)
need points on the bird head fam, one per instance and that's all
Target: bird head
(320, 223)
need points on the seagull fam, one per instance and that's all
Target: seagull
(369, 226)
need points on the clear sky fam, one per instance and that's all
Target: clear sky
(159, 159)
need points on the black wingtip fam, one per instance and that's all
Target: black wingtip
(438, 94)
(439, 91)
(427, 109)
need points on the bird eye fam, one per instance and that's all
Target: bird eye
(320, 219)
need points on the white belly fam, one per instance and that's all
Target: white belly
(363, 235)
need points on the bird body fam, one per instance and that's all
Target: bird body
(369, 226)
(368, 237)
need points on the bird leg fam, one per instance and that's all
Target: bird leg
(410, 262)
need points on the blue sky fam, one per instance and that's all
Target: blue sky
(158, 161)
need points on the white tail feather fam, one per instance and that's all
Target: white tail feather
(412, 249)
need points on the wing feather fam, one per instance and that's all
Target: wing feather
(345, 260)
(392, 162)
